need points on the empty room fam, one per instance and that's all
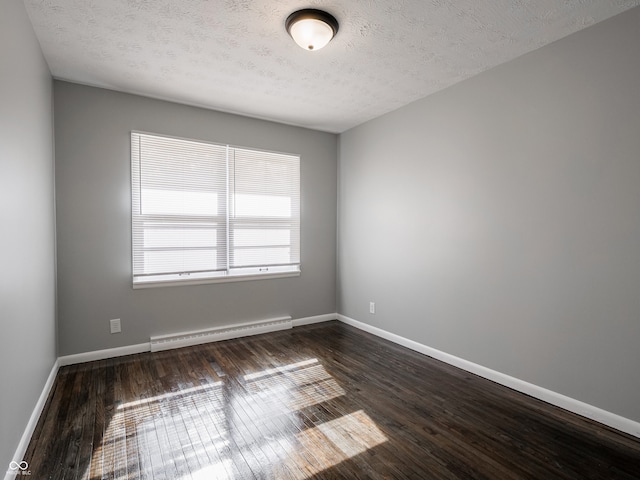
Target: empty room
(320, 240)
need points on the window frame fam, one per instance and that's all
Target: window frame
(229, 274)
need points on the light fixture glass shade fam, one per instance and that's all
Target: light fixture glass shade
(311, 29)
(311, 34)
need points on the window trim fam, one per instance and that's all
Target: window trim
(176, 281)
(222, 276)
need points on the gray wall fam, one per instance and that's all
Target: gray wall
(499, 220)
(27, 284)
(94, 222)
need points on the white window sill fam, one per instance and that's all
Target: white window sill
(178, 281)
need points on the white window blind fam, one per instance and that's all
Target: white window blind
(205, 211)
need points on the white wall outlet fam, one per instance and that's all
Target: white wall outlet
(115, 325)
(372, 308)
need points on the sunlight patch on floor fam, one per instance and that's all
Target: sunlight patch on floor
(168, 395)
(286, 368)
(219, 471)
(194, 433)
(341, 439)
(296, 386)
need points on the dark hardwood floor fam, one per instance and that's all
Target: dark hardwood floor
(321, 401)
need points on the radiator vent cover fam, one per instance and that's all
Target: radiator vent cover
(198, 337)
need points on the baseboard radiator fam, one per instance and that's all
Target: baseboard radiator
(198, 337)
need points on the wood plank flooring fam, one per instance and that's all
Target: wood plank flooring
(317, 402)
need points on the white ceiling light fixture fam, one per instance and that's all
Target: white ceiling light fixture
(311, 29)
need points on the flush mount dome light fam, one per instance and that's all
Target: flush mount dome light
(311, 29)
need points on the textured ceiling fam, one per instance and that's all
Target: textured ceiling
(235, 55)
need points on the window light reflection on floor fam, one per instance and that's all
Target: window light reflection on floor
(196, 431)
(341, 439)
(164, 396)
(274, 371)
(219, 471)
(332, 443)
(294, 387)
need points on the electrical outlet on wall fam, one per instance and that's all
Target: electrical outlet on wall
(372, 308)
(115, 325)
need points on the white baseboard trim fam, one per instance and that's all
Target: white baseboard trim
(567, 403)
(315, 319)
(18, 456)
(102, 354)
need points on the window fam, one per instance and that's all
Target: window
(203, 212)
